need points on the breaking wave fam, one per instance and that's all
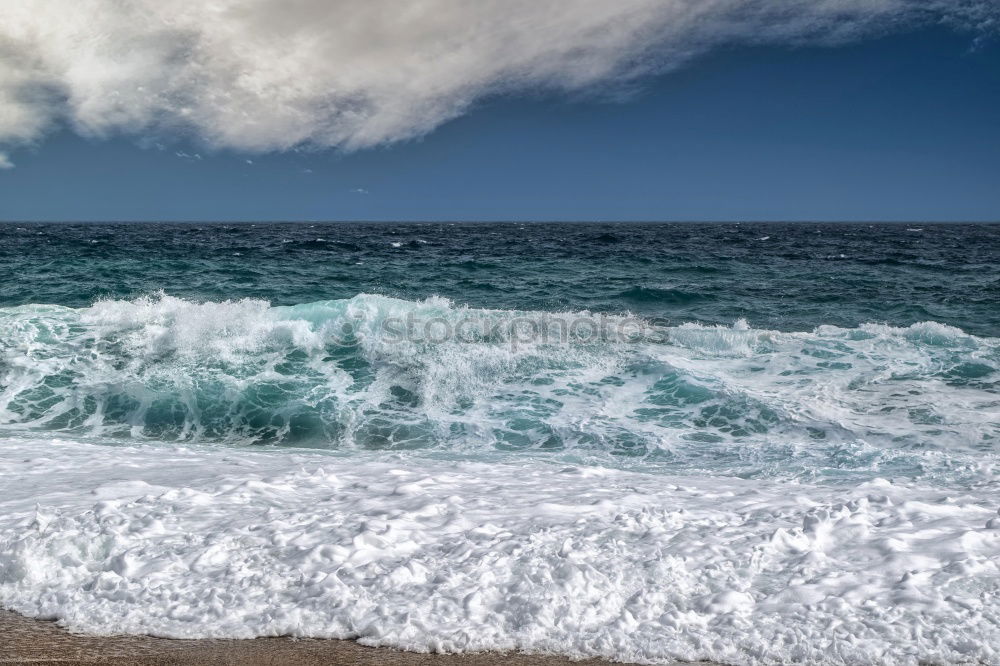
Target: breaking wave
(573, 483)
(378, 373)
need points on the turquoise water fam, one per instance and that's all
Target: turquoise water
(805, 350)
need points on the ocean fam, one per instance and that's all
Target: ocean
(741, 443)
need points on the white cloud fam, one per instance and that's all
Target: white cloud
(5, 162)
(261, 75)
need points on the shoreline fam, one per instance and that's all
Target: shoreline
(25, 640)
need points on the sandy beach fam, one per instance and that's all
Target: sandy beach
(27, 641)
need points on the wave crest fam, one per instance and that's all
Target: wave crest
(364, 373)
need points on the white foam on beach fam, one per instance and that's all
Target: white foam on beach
(723, 493)
(426, 554)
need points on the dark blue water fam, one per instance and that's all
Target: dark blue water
(789, 277)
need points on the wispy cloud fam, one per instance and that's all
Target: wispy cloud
(265, 75)
(5, 162)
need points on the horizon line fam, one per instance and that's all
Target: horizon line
(494, 221)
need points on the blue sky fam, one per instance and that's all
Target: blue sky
(899, 127)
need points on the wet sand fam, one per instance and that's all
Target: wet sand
(27, 641)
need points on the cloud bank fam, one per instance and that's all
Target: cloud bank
(266, 75)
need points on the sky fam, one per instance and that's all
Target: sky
(765, 110)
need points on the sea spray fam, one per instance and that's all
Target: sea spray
(363, 373)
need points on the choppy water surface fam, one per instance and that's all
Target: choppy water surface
(813, 410)
(789, 277)
(812, 349)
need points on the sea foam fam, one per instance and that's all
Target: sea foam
(490, 479)
(376, 373)
(425, 554)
